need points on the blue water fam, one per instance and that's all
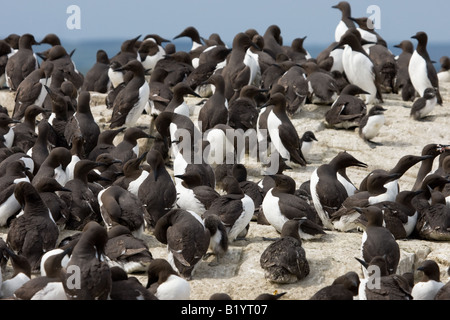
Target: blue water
(85, 51)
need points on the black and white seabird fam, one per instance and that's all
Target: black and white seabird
(243, 111)
(178, 104)
(444, 72)
(250, 188)
(403, 83)
(197, 45)
(377, 240)
(296, 88)
(34, 232)
(126, 287)
(433, 221)
(119, 206)
(165, 283)
(21, 275)
(186, 238)
(157, 192)
(421, 70)
(105, 142)
(95, 275)
(348, 109)
(96, 78)
(6, 131)
(344, 287)
(215, 109)
(22, 63)
(345, 23)
(281, 205)
(282, 132)
(132, 174)
(370, 124)
(389, 286)
(236, 73)
(193, 195)
(424, 105)
(127, 53)
(345, 218)
(284, 260)
(359, 68)
(25, 133)
(323, 88)
(128, 148)
(126, 251)
(55, 166)
(48, 188)
(81, 200)
(131, 100)
(234, 208)
(218, 244)
(427, 288)
(83, 123)
(328, 187)
(31, 90)
(16, 172)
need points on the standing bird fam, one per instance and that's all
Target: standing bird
(178, 104)
(97, 78)
(128, 148)
(282, 132)
(236, 73)
(22, 63)
(7, 131)
(388, 287)
(424, 105)
(235, 209)
(34, 232)
(218, 243)
(105, 142)
(87, 259)
(284, 260)
(31, 90)
(25, 133)
(131, 100)
(81, 200)
(370, 125)
(359, 67)
(281, 205)
(127, 53)
(328, 187)
(193, 195)
(377, 240)
(186, 238)
(83, 123)
(430, 283)
(403, 81)
(215, 109)
(157, 192)
(345, 23)
(54, 166)
(422, 73)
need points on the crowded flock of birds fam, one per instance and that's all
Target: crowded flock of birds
(61, 171)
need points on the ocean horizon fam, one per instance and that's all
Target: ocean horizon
(86, 50)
